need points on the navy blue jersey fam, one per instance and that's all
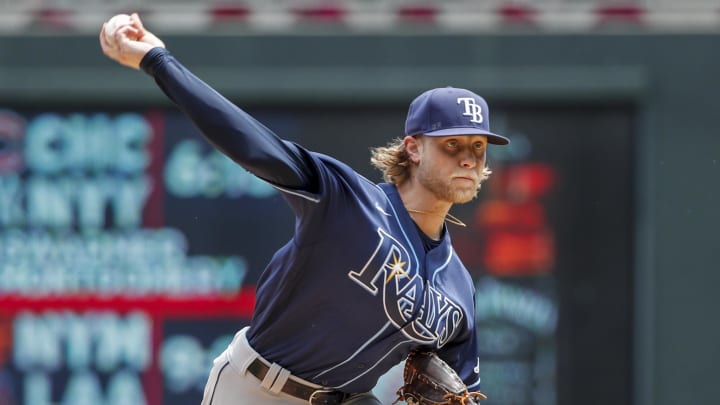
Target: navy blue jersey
(354, 290)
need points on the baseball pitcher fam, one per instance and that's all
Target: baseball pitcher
(370, 275)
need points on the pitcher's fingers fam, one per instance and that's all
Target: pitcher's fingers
(126, 34)
(135, 17)
(133, 32)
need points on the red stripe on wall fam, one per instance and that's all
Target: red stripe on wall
(239, 305)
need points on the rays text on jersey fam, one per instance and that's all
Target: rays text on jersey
(422, 312)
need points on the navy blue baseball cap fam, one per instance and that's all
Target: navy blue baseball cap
(450, 111)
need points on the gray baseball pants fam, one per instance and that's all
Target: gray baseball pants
(230, 384)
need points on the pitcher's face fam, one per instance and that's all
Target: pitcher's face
(451, 167)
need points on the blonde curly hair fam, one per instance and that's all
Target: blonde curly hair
(394, 162)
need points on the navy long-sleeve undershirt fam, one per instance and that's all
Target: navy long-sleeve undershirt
(230, 129)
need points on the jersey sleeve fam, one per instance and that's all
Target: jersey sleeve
(228, 128)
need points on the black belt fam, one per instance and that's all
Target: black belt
(312, 395)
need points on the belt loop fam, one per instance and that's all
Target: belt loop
(270, 377)
(280, 380)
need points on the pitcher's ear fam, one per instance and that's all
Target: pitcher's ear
(413, 146)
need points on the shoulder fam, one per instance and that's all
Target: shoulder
(337, 182)
(344, 175)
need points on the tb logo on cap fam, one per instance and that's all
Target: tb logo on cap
(471, 109)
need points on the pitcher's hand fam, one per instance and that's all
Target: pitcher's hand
(132, 42)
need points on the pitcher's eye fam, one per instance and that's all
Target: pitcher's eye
(452, 144)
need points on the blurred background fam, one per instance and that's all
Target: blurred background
(129, 248)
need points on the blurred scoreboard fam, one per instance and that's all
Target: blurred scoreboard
(117, 283)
